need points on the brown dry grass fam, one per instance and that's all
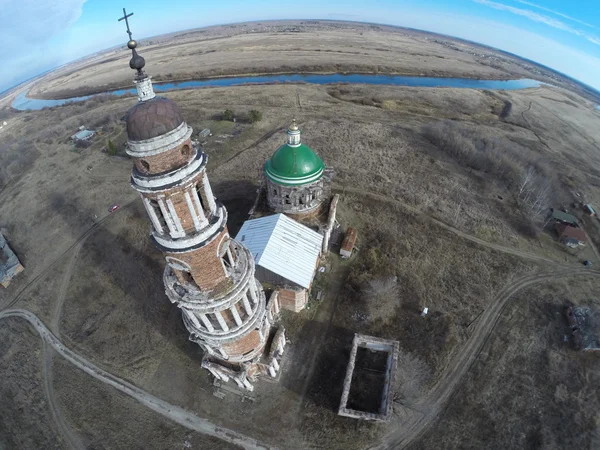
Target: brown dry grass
(528, 388)
(105, 418)
(287, 47)
(116, 313)
(26, 421)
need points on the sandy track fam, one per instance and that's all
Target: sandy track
(175, 413)
(69, 437)
(438, 397)
(62, 293)
(66, 433)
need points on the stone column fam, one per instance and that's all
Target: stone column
(252, 290)
(180, 232)
(230, 256)
(275, 364)
(206, 322)
(246, 303)
(193, 318)
(152, 213)
(167, 216)
(221, 321)
(208, 193)
(214, 373)
(198, 203)
(248, 385)
(236, 315)
(190, 206)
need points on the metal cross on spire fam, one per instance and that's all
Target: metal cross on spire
(125, 17)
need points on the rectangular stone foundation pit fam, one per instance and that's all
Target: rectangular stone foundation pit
(370, 375)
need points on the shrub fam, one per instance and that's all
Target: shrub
(112, 148)
(254, 116)
(227, 115)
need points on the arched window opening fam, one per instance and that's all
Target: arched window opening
(145, 165)
(185, 277)
(226, 254)
(186, 150)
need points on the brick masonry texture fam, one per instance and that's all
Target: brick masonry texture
(205, 265)
(167, 161)
(197, 181)
(293, 300)
(243, 345)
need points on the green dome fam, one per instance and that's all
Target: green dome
(294, 165)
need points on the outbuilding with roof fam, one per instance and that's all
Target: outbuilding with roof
(286, 254)
(297, 180)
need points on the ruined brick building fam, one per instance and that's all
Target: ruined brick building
(208, 275)
(297, 181)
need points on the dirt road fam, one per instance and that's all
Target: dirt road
(178, 415)
(436, 400)
(69, 438)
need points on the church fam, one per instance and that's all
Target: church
(297, 182)
(210, 276)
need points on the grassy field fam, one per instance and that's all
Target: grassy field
(26, 421)
(401, 186)
(528, 388)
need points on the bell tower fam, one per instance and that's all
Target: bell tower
(208, 275)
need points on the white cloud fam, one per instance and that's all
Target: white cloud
(568, 60)
(536, 17)
(543, 8)
(26, 27)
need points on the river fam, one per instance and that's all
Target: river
(23, 103)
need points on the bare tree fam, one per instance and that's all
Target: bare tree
(382, 297)
(412, 378)
(526, 179)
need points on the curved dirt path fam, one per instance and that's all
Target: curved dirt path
(79, 240)
(437, 398)
(175, 413)
(67, 435)
(62, 293)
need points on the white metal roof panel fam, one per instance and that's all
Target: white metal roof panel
(283, 246)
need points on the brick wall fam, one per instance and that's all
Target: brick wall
(293, 300)
(243, 345)
(205, 265)
(167, 161)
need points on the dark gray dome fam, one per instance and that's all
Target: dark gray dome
(136, 62)
(152, 118)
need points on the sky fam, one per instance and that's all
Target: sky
(38, 35)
